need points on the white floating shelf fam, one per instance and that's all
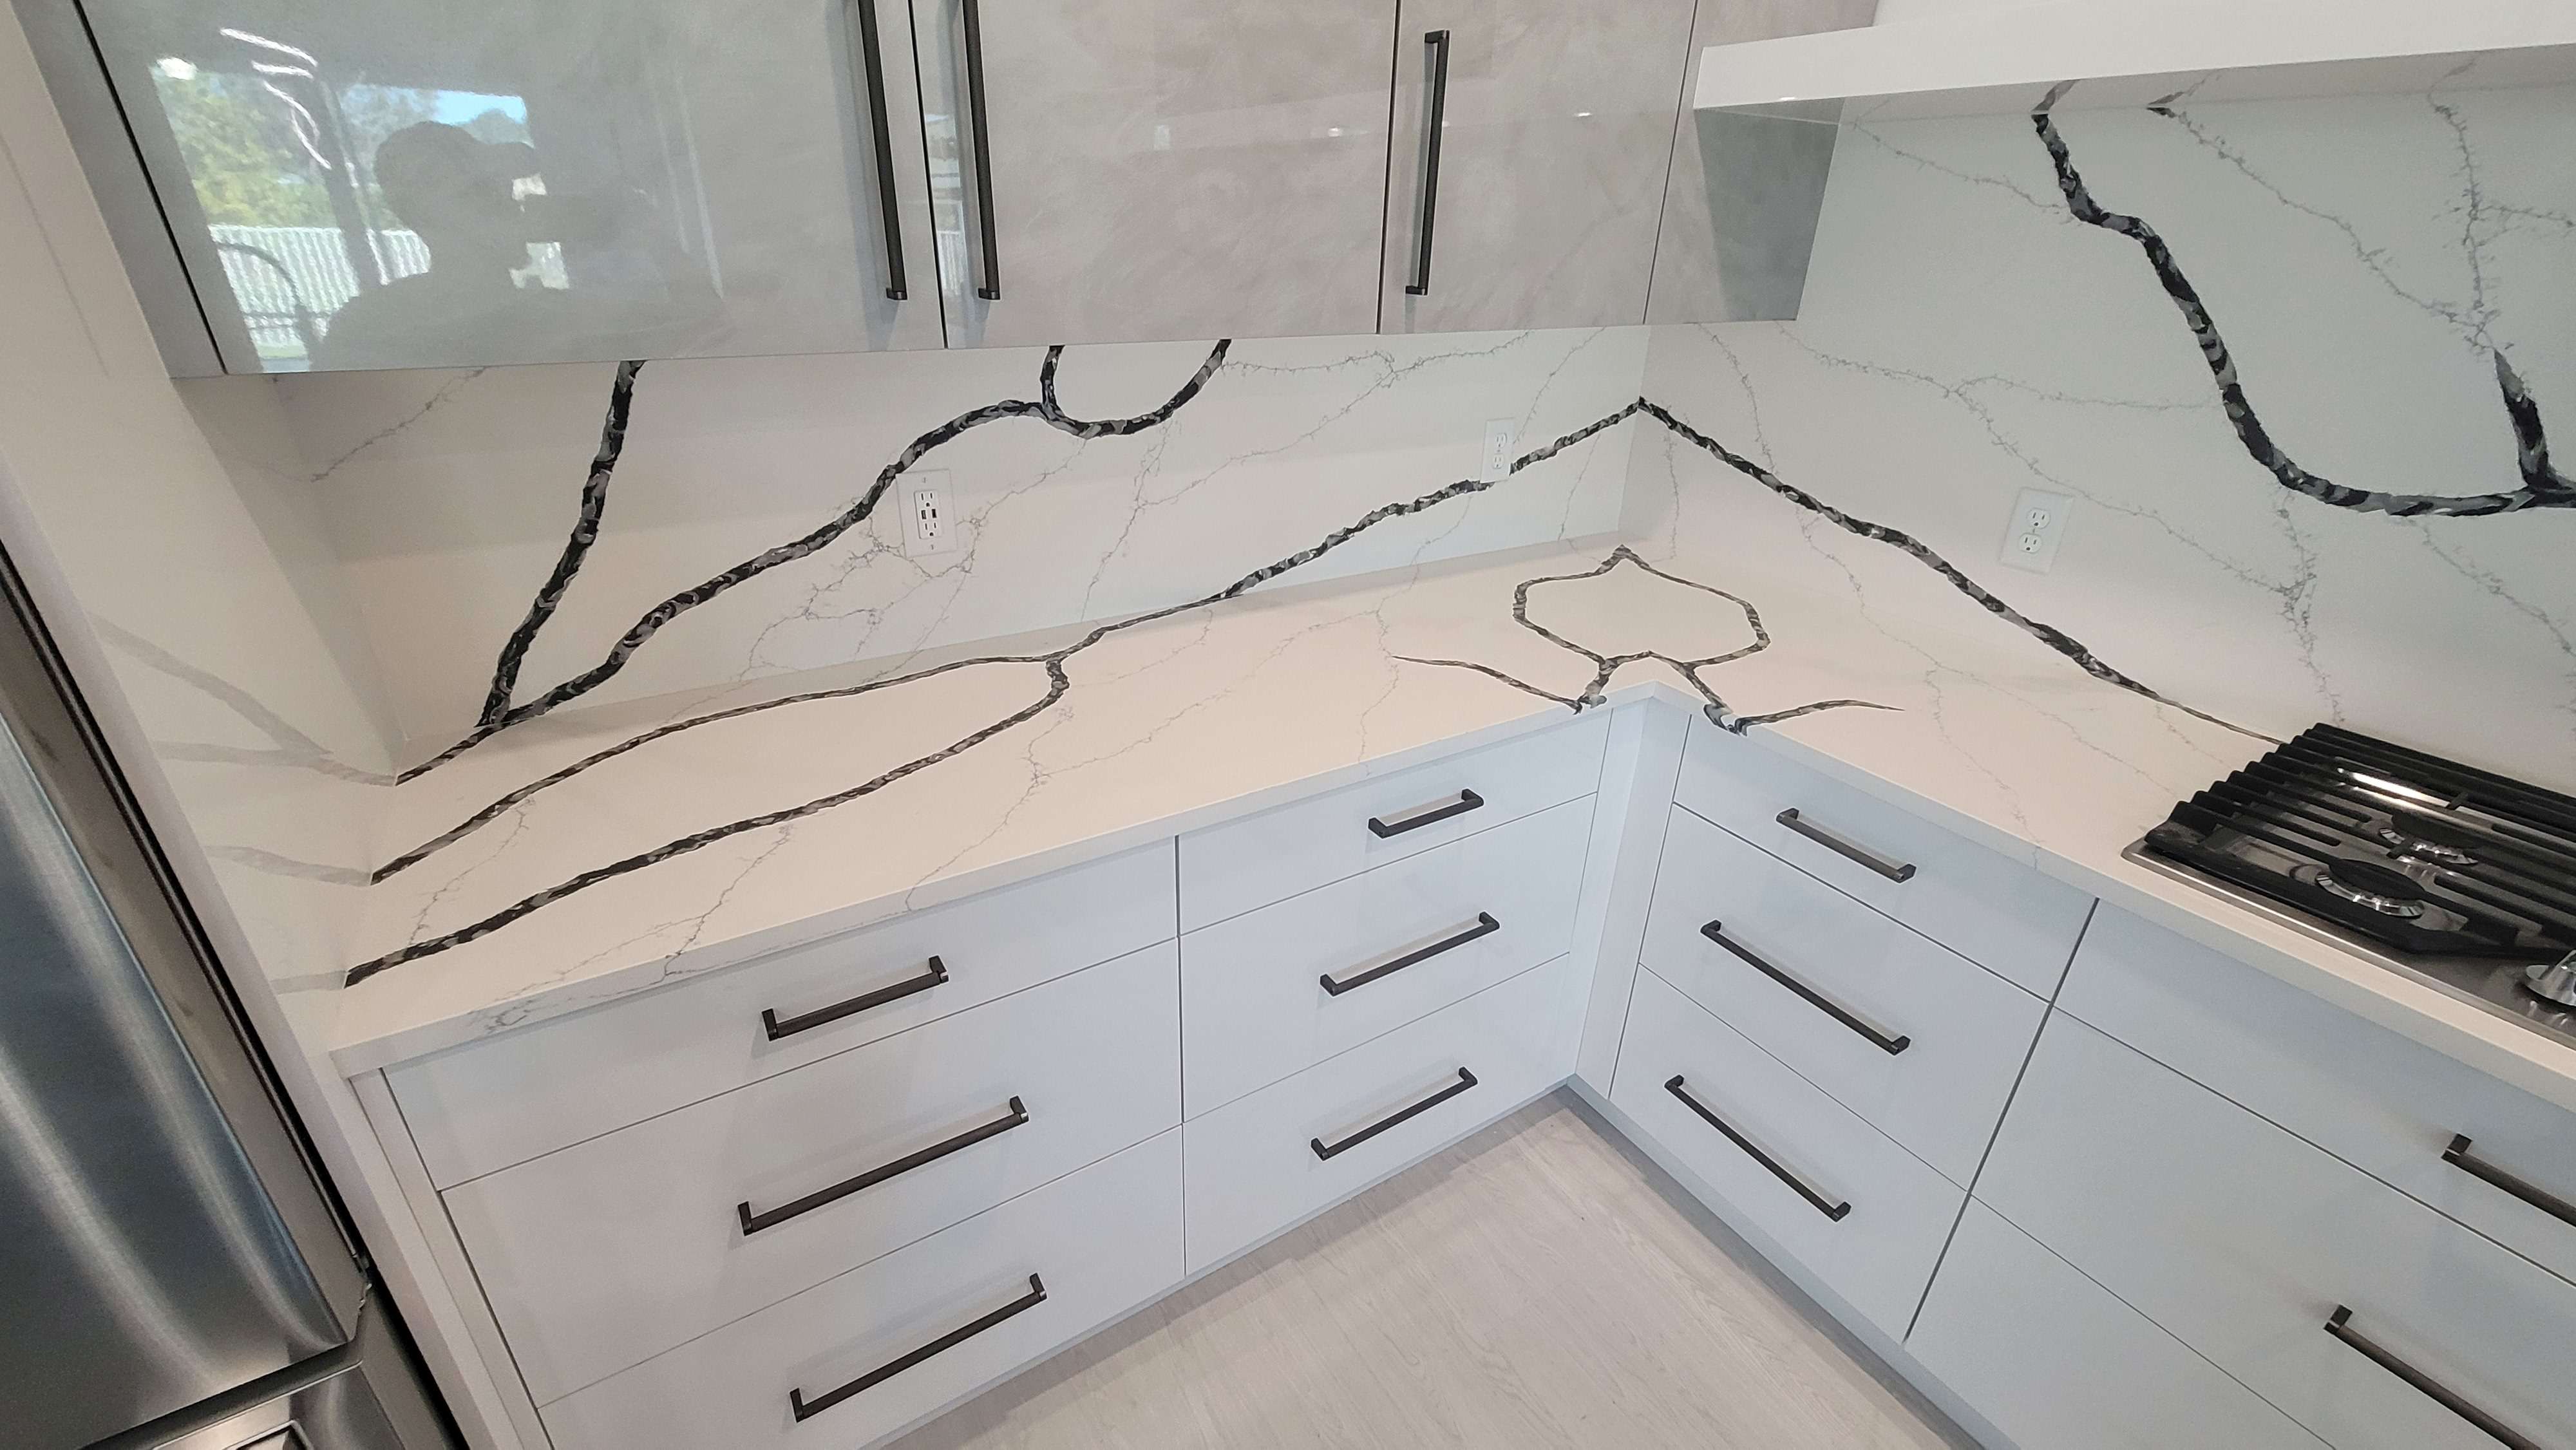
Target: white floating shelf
(2007, 62)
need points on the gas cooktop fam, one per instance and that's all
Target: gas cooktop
(2453, 875)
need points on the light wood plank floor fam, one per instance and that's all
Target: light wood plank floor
(1540, 1284)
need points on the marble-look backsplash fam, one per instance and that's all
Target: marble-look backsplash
(2298, 362)
(448, 497)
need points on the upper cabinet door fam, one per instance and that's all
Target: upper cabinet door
(1740, 213)
(1125, 170)
(393, 183)
(1533, 203)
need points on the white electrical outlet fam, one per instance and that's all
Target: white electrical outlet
(2031, 536)
(928, 526)
(1497, 464)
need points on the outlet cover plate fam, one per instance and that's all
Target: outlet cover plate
(2036, 528)
(1496, 464)
(930, 522)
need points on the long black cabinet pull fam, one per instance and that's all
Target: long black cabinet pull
(1437, 44)
(872, 66)
(753, 1223)
(1485, 926)
(1467, 801)
(1716, 931)
(1326, 1150)
(807, 1409)
(2340, 1326)
(1893, 871)
(2457, 1155)
(990, 289)
(778, 1027)
(1828, 1207)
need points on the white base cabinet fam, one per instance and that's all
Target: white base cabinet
(1097, 1244)
(1270, 1160)
(2245, 1242)
(2057, 1362)
(1862, 1214)
(741, 1200)
(2216, 1212)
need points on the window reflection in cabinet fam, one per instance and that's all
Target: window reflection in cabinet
(382, 183)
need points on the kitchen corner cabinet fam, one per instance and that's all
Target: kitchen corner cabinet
(1531, 139)
(383, 183)
(1133, 170)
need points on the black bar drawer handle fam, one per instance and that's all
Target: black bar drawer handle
(872, 66)
(778, 1027)
(1715, 931)
(1485, 926)
(991, 287)
(1328, 1151)
(807, 1409)
(2340, 1326)
(1893, 871)
(1467, 801)
(1436, 44)
(1828, 1207)
(753, 1223)
(2457, 1155)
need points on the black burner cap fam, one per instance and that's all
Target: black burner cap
(2377, 880)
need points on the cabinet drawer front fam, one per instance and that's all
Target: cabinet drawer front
(1993, 910)
(2242, 1240)
(1960, 1031)
(1102, 1241)
(613, 1250)
(491, 1104)
(1255, 1166)
(2057, 1362)
(1253, 1001)
(2389, 1106)
(1879, 1252)
(1230, 869)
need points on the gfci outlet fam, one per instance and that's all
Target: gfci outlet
(1497, 463)
(928, 526)
(2031, 536)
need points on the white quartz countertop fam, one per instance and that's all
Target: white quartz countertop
(1934, 700)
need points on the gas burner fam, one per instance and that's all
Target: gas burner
(2371, 892)
(2453, 875)
(2421, 851)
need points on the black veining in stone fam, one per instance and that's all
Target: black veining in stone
(1053, 662)
(2543, 486)
(1045, 410)
(585, 532)
(1605, 666)
(2047, 634)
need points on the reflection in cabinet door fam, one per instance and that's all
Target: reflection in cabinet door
(1740, 207)
(1558, 121)
(1157, 169)
(480, 182)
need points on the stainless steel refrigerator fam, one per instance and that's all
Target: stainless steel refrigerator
(174, 1270)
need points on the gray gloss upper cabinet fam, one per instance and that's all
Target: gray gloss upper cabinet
(1740, 210)
(1157, 169)
(1556, 128)
(391, 183)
